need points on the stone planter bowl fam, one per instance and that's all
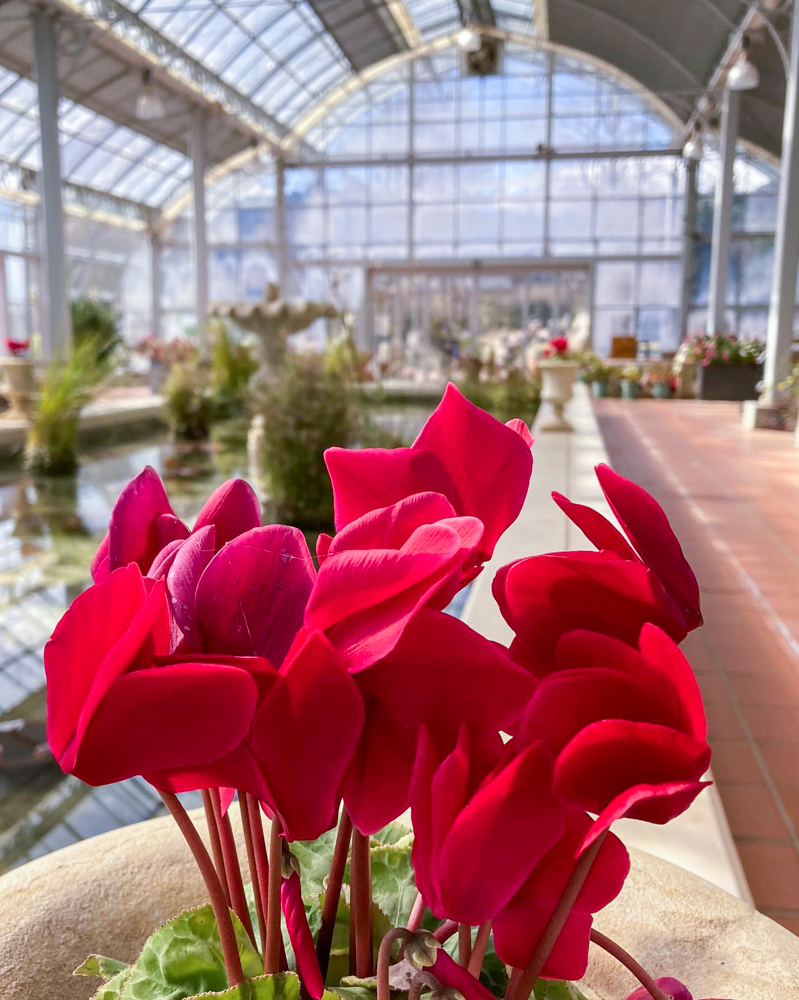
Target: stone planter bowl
(109, 893)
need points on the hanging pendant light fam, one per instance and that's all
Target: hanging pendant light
(469, 39)
(743, 75)
(149, 105)
(693, 148)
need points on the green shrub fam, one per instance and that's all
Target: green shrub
(189, 405)
(516, 395)
(233, 364)
(312, 408)
(52, 442)
(95, 322)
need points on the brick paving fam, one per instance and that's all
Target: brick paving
(733, 499)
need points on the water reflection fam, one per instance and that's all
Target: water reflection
(49, 530)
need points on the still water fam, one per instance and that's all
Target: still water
(49, 530)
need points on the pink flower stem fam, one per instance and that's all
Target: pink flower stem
(479, 949)
(216, 842)
(417, 914)
(361, 908)
(464, 944)
(273, 935)
(629, 963)
(227, 936)
(238, 900)
(523, 986)
(252, 862)
(335, 879)
(261, 858)
(445, 931)
(384, 959)
(419, 981)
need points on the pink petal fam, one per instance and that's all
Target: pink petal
(519, 427)
(609, 758)
(447, 971)
(671, 987)
(232, 508)
(300, 936)
(304, 735)
(514, 819)
(424, 771)
(448, 792)
(479, 452)
(132, 530)
(100, 565)
(648, 528)
(184, 574)
(169, 528)
(596, 528)
(442, 673)
(369, 478)
(252, 597)
(216, 706)
(322, 546)
(391, 527)
(163, 561)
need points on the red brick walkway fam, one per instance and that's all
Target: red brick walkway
(733, 499)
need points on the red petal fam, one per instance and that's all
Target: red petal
(169, 528)
(608, 758)
(671, 987)
(251, 598)
(232, 508)
(447, 971)
(653, 803)
(648, 528)
(517, 930)
(479, 452)
(442, 673)
(322, 545)
(448, 791)
(302, 943)
(519, 427)
(171, 717)
(391, 527)
(369, 478)
(662, 654)
(304, 735)
(424, 770)
(133, 531)
(513, 820)
(182, 579)
(596, 528)
(234, 770)
(100, 566)
(163, 561)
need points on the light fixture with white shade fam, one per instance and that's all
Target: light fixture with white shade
(743, 74)
(149, 105)
(693, 148)
(469, 39)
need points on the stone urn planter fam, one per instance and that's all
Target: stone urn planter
(20, 386)
(557, 380)
(107, 894)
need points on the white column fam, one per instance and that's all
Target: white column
(688, 244)
(5, 318)
(155, 286)
(786, 239)
(722, 212)
(200, 241)
(281, 244)
(57, 334)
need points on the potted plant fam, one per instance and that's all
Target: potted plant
(728, 367)
(162, 354)
(558, 366)
(334, 699)
(17, 367)
(597, 374)
(660, 379)
(630, 381)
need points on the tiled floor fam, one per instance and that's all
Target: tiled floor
(733, 499)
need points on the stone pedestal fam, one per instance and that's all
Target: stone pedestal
(20, 386)
(557, 380)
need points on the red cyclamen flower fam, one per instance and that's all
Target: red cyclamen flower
(671, 987)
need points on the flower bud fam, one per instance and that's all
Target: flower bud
(421, 952)
(289, 863)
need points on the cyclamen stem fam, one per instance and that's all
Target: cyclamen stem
(464, 944)
(479, 949)
(445, 931)
(522, 987)
(227, 936)
(261, 857)
(419, 981)
(273, 935)
(417, 914)
(216, 842)
(629, 963)
(238, 900)
(252, 862)
(384, 959)
(335, 879)
(361, 904)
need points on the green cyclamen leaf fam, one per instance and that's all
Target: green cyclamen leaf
(556, 989)
(315, 857)
(351, 993)
(392, 833)
(183, 959)
(282, 986)
(100, 965)
(393, 885)
(112, 990)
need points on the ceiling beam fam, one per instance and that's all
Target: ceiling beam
(479, 11)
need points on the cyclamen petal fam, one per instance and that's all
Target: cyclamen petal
(447, 971)
(302, 942)
(671, 987)
(232, 508)
(133, 528)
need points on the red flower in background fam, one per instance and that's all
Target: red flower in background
(627, 728)
(556, 347)
(118, 705)
(462, 452)
(17, 348)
